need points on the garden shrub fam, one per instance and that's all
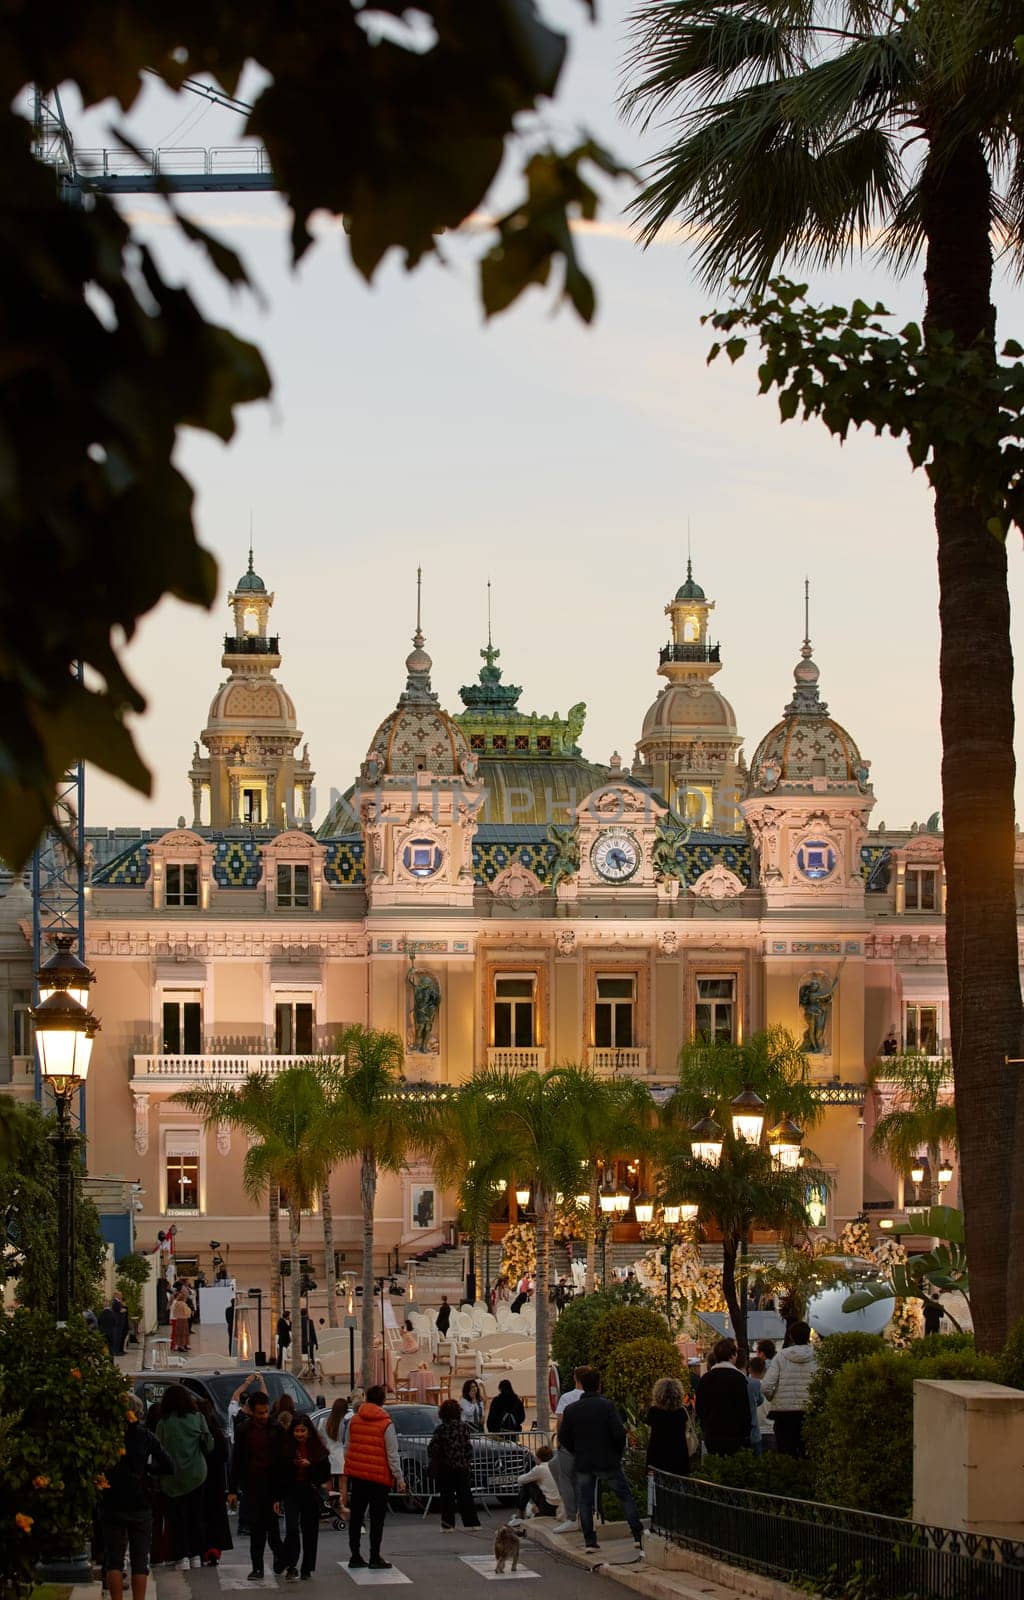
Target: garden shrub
(634, 1368)
(63, 1406)
(133, 1273)
(1011, 1361)
(833, 1354)
(622, 1325)
(770, 1473)
(571, 1339)
(941, 1344)
(863, 1448)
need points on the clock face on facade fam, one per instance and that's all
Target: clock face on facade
(616, 856)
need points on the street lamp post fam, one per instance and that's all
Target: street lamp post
(64, 1030)
(671, 1216)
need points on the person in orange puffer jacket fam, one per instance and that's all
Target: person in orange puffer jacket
(372, 1466)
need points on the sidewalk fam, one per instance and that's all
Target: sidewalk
(665, 1572)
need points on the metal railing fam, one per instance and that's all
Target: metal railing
(498, 1461)
(689, 652)
(251, 644)
(792, 1539)
(248, 158)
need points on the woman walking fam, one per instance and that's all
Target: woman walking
(216, 1529)
(282, 1412)
(507, 1412)
(450, 1458)
(181, 1321)
(188, 1441)
(667, 1449)
(471, 1406)
(305, 1465)
(332, 1434)
(786, 1384)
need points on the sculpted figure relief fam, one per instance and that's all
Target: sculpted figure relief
(816, 1004)
(664, 860)
(426, 1003)
(567, 852)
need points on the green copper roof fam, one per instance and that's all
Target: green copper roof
(690, 590)
(490, 694)
(250, 582)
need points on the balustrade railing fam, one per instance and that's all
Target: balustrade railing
(619, 1063)
(516, 1059)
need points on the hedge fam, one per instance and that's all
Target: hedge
(634, 1368)
(622, 1325)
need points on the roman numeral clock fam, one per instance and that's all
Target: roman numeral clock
(617, 828)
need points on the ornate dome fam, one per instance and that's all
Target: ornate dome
(250, 582)
(251, 700)
(807, 745)
(686, 708)
(418, 736)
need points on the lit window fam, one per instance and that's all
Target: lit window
(715, 1011)
(252, 807)
(182, 1026)
(613, 1012)
(181, 1169)
(696, 804)
(421, 857)
(182, 884)
(293, 1028)
(921, 1029)
(292, 886)
(691, 630)
(514, 1007)
(922, 889)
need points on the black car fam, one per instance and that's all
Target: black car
(218, 1387)
(497, 1461)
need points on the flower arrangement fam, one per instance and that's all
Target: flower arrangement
(519, 1251)
(907, 1322)
(855, 1239)
(696, 1286)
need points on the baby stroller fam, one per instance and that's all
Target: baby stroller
(330, 1511)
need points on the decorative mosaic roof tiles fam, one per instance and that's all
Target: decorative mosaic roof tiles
(343, 864)
(702, 850)
(237, 864)
(128, 870)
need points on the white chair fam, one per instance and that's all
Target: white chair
(485, 1324)
(507, 1323)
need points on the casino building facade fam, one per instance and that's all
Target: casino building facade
(561, 909)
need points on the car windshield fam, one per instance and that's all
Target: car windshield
(413, 1419)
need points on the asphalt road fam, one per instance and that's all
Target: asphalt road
(423, 1557)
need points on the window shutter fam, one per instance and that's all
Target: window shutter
(172, 1028)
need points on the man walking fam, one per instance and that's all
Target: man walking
(256, 1473)
(723, 1403)
(372, 1465)
(563, 1466)
(594, 1432)
(284, 1337)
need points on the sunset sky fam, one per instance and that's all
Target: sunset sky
(563, 463)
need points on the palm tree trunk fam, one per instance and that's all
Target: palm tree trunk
(541, 1303)
(330, 1262)
(592, 1234)
(295, 1286)
(274, 1221)
(976, 677)
(368, 1198)
(737, 1305)
(934, 1160)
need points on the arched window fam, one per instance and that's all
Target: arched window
(691, 630)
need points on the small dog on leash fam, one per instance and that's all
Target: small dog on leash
(506, 1544)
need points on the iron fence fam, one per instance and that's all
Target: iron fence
(886, 1558)
(498, 1461)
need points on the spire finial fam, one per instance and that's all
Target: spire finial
(807, 615)
(489, 614)
(418, 640)
(251, 568)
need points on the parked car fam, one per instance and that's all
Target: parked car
(497, 1462)
(218, 1386)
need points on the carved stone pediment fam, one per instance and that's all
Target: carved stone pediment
(516, 884)
(718, 883)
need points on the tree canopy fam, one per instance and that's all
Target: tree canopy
(398, 125)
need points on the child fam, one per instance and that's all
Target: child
(762, 1429)
(537, 1488)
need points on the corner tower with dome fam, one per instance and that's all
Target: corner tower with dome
(251, 776)
(807, 803)
(688, 747)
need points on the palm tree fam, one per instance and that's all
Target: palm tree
(526, 1128)
(615, 1117)
(745, 1188)
(809, 130)
(330, 1259)
(295, 1140)
(380, 1126)
(923, 1120)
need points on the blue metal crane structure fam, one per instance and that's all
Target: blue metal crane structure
(59, 866)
